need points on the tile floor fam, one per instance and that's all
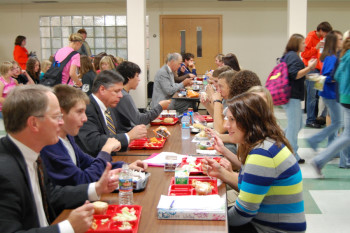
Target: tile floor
(326, 202)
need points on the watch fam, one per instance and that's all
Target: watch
(219, 101)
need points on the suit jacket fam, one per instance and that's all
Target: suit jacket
(164, 87)
(94, 133)
(17, 205)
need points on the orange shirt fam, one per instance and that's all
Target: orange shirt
(20, 54)
(310, 50)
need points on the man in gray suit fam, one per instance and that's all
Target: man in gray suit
(165, 86)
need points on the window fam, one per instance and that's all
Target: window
(105, 33)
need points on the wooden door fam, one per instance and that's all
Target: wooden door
(200, 35)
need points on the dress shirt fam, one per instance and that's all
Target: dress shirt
(30, 158)
(70, 149)
(103, 109)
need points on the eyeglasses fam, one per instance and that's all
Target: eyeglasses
(58, 117)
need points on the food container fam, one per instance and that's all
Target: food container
(170, 163)
(181, 176)
(140, 180)
(108, 223)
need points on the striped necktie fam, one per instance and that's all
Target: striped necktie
(110, 124)
(44, 198)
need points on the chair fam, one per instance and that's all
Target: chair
(149, 93)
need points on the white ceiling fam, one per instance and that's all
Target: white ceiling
(154, 1)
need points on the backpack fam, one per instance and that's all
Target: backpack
(53, 75)
(278, 84)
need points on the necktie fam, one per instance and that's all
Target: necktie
(110, 124)
(42, 188)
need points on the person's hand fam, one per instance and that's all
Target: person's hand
(114, 175)
(192, 76)
(216, 96)
(104, 185)
(187, 82)
(111, 144)
(191, 65)
(211, 167)
(139, 131)
(78, 83)
(210, 91)
(218, 143)
(138, 165)
(320, 44)
(165, 104)
(312, 63)
(183, 68)
(226, 164)
(81, 217)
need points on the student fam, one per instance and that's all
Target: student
(218, 60)
(85, 48)
(87, 74)
(187, 65)
(66, 163)
(21, 76)
(126, 112)
(33, 69)
(296, 75)
(267, 165)
(45, 65)
(264, 93)
(20, 53)
(28, 201)
(231, 60)
(313, 43)
(106, 63)
(7, 83)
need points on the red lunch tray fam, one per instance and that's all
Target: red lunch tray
(144, 143)
(163, 123)
(188, 189)
(113, 226)
(198, 160)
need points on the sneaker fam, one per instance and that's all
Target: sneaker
(321, 120)
(313, 125)
(301, 161)
(317, 169)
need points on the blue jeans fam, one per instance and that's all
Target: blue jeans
(295, 123)
(311, 100)
(340, 143)
(336, 113)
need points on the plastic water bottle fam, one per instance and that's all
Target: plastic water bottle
(205, 81)
(125, 186)
(185, 126)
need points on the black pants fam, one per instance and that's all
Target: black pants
(247, 228)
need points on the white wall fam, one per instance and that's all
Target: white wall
(255, 31)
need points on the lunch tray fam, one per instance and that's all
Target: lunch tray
(188, 189)
(143, 143)
(198, 160)
(208, 118)
(112, 225)
(164, 123)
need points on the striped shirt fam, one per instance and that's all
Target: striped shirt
(270, 184)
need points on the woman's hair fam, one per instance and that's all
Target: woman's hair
(19, 40)
(219, 56)
(330, 46)
(294, 43)
(254, 118)
(44, 65)
(242, 81)
(5, 67)
(119, 60)
(85, 65)
(128, 70)
(114, 60)
(220, 70)
(231, 60)
(76, 37)
(31, 66)
(69, 96)
(266, 92)
(346, 46)
(108, 60)
(97, 60)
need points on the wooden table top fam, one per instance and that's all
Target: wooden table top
(174, 143)
(158, 184)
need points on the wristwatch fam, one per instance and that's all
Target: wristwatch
(219, 101)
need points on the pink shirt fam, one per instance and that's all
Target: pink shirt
(7, 88)
(75, 60)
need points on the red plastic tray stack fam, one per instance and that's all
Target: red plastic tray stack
(145, 143)
(108, 226)
(188, 189)
(164, 123)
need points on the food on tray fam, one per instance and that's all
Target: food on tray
(202, 134)
(202, 188)
(198, 126)
(125, 226)
(192, 166)
(94, 225)
(168, 120)
(205, 145)
(126, 215)
(204, 96)
(168, 113)
(162, 131)
(157, 120)
(100, 207)
(192, 94)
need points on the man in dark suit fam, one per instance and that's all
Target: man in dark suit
(28, 201)
(101, 123)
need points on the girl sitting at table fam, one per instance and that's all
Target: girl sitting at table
(270, 181)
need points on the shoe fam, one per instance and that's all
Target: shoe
(313, 125)
(301, 161)
(321, 120)
(317, 169)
